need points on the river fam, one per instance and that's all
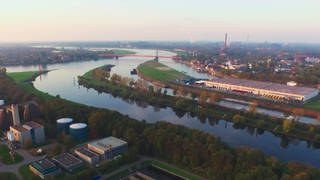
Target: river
(63, 81)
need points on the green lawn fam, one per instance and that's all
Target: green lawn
(23, 79)
(8, 176)
(5, 156)
(27, 174)
(314, 104)
(160, 72)
(172, 169)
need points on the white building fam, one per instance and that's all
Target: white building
(265, 89)
(108, 147)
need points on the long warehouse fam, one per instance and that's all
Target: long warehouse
(266, 89)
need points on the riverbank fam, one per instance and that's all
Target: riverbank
(24, 80)
(310, 109)
(154, 140)
(181, 106)
(159, 72)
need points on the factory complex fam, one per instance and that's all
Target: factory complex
(275, 91)
(22, 132)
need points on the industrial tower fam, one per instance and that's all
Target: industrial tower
(225, 41)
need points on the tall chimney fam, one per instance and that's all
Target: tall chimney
(225, 41)
(15, 114)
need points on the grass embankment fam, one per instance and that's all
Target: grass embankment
(23, 79)
(8, 176)
(160, 72)
(172, 169)
(314, 104)
(5, 156)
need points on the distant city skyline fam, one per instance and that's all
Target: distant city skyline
(175, 20)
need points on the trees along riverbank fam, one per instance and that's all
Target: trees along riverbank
(141, 91)
(194, 150)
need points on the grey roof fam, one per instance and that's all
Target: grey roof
(107, 143)
(298, 90)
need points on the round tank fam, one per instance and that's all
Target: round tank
(63, 125)
(1, 102)
(79, 131)
(10, 136)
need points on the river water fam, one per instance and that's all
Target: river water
(63, 81)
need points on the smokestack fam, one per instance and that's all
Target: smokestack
(15, 114)
(225, 41)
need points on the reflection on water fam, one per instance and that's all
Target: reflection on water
(63, 81)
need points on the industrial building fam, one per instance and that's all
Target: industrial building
(44, 168)
(108, 148)
(264, 89)
(79, 131)
(67, 162)
(29, 130)
(88, 156)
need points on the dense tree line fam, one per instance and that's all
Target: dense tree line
(200, 152)
(142, 92)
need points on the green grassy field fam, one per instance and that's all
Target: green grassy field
(27, 174)
(23, 80)
(172, 169)
(5, 156)
(159, 72)
(314, 104)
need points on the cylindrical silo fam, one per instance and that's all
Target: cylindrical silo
(79, 131)
(63, 125)
(1, 102)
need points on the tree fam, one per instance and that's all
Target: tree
(238, 119)
(151, 89)
(214, 97)
(3, 71)
(54, 150)
(297, 113)
(193, 96)
(253, 107)
(142, 84)
(124, 81)
(115, 78)
(287, 125)
(96, 122)
(180, 92)
(203, 98)
(28, 143)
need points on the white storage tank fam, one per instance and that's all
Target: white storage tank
(1, 102)
(10, 136)
(63, 125)
(79, 131)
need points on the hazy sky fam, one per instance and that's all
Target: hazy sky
(68, 20)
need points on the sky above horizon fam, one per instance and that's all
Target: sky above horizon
(183, 20)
